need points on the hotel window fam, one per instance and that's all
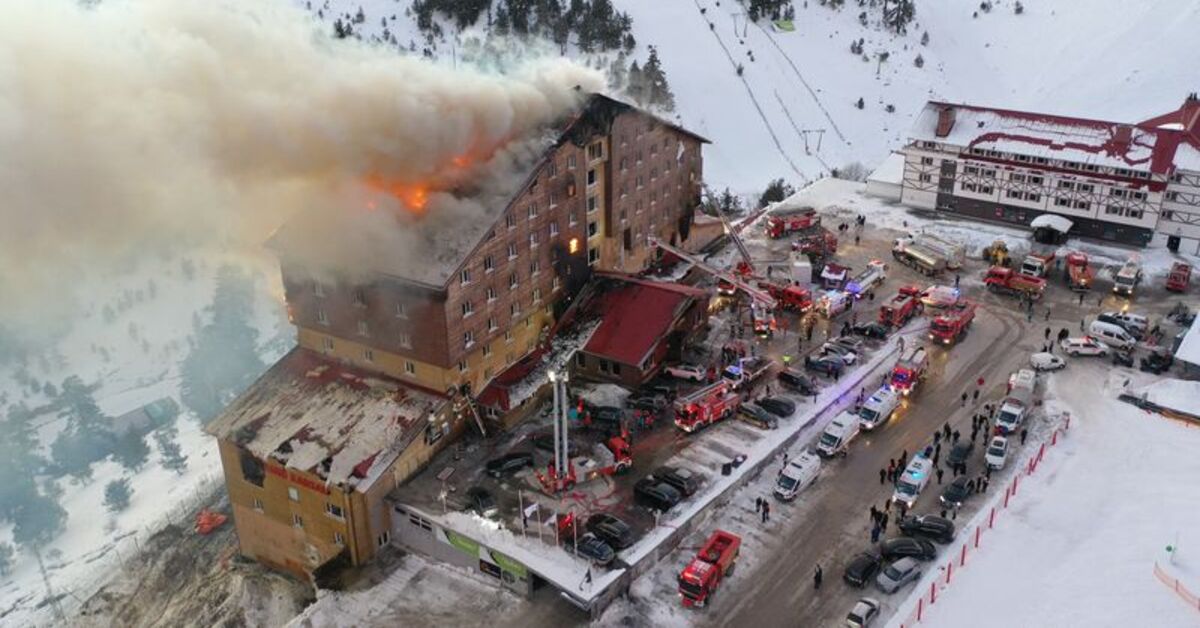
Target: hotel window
(401, 310)
(653, 173)
(491, 294)
(462, 366)
(553, 228)
(327, 342)
(508, 337)
(537, 295)
(1066, 185)
(623, 164)
(513, 282)
(570, 162)
(488, 264)
(360, 299)
(593, 228)
(468, 339)
(1085, 187)
(1172, 196)
(556, 283)
(553, 199)
(533, 210)
(514, 309)
(927, 161)
(258, 505)
(552, 169)
(639, 181)
(369, 355)
(1082, 205)
(491, 324)
(593, 256)
(512, 250)
(533, 239)
(467, 309)
(592, 204)
(405, 340)
(363, 328)
(487, 351)
(293, 494)
(591, 177)
(595, 150)
(573, 217)
(334, 510)
(535, 267)
(410, 368)
(925, 178)
(510, 221)
(338, 539)
(297, 521)
(464, 276)
(318, 288)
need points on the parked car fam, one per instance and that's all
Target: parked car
(1083, 345)
(607, 417)
(593, 548)
(545, 442)
(1046, 362)
(481, 502)
(851, 343)
(932, 527)
(655, 493)
(961, 451)
(686, 481)
(1124, 322)
(827, 364)
(997, 452)
(1123, 357)
(864, 612)
(611, 529)
(757, 416)
(1157, 362)
(955, 492)
(647, 402)
(907, 546)
(798, 381)
(779, 406)
(878, 331)
(847, 354)
(509, 463)
(898, 574)
(689, 372)
(860, 569)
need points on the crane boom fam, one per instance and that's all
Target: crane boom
(737, 241)
(760, 297)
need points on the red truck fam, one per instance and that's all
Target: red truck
(613, 457)
(792, 298)
(1181, 274)
(1007, 281)
(783, 222)
(1079, 272)
(951, 325)
(897, 311)
(1037, 264)
(821, 244)
(713, 563)
(705, 406)
(909, 371)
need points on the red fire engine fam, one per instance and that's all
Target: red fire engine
(1079, 272)
(784, 222)
(713, 563)
(705, 407)
(951, 325)
(910, 371)
(793, 298)
(819, 245)
(615, 456)
(897, 311)
(1007, 281)
(1181, 274)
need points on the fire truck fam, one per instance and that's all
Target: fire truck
(1181, 274)
(951, 325)
(909, 371)
(705, 407)
(782, 222)
(611, 458)
(833, 276)
(869, 279)
(1037, 264)
(921, 259)
(1007, 281)
(746, 370)
(1079, 272)
(762, 304)
(899, 309)
(713, 563)
(792, 298)
(818, 245)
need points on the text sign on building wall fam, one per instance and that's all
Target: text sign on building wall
(297, 478)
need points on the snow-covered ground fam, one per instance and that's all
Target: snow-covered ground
(131, 368)
(1078, 544)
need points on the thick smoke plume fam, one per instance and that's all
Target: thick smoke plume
(128, 122)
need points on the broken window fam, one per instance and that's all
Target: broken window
(252, 468)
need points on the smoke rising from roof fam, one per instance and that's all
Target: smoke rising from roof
(139, 121)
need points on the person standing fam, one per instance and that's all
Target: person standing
(883, 521)
(758, 504)
(964, 400)
(817, 578)
(1024, 433)
(939, 475)
(882, 476)
(766, 511)
(875, 533)
(1080, 299)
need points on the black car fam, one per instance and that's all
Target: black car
(662, 388)
(779, 406)
(509, 463)
(861, 569)
(611, 529)
(755, 415)
(907, 546)
(481, 502)
(827, 364)
(932, 527)
(1157, 363)
(594, 548)
(655, 493)
(1123, 358)
(955, 492)
(607, 417)
(647, 401)
(686, 481)
(960, 453)
(1132, 330)
(871, 330)
(798, 381)
(545, 442)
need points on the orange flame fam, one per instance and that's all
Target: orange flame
(414, 197)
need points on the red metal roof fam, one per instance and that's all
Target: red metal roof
(635, 317)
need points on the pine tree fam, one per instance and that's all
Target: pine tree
(925, 38)
(38, 521)
(776, 191)
(919, 61)
(117, 494)
(131, 450)
(656, 83)
(6, 558)
(171, 455)
(860, 104)
(86, 438)
(637, 84)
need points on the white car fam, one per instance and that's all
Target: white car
(1084, 345)
(940, 296)
(997, 453)
(864, 612)
(847, 354)
(687, 371)
(1042, 362)
(1134, 322)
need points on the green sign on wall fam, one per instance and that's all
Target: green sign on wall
(465, 545)
(508, 564)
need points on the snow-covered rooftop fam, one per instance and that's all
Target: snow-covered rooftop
(309, 414)
(1189, 348)
(890, 171)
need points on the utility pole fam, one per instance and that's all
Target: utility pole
(58, 611)
(820, 133)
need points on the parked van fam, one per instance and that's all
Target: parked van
(1022, 380)
(835, 440)
(878, 408)
(796, 476)
(913, 480)
(834, 302)
(1112, 335)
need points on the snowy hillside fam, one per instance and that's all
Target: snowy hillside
(1103, 58)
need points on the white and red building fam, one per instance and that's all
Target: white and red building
(1116, 181)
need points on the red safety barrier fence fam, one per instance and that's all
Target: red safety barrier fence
(1178, 587)
(972, 540)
